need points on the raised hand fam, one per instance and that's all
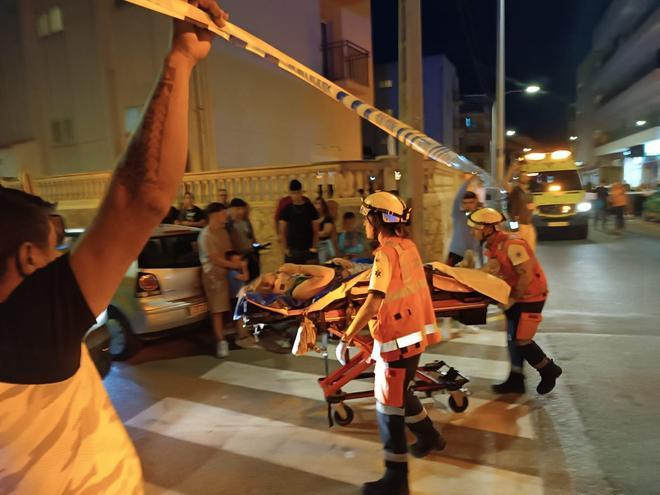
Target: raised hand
(195, 42)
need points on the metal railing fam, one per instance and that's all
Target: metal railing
(344, 60)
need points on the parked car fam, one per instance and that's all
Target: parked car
(161, 292)
(97, 340)
(651, 207)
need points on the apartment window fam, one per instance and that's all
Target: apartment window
(61, 131)
(50, 22)
(387, 83)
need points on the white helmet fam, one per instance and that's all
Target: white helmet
(485, 216)
(392, 208)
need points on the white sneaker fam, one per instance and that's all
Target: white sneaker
(222, 349)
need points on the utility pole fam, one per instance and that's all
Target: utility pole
(411, 163)
(500, 98)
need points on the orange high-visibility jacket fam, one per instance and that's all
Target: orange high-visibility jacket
(406, 322)
(497, 248)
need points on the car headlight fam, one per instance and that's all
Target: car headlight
(583, 207)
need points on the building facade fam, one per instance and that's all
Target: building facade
(617, 118)
(441, 94)
(76, 83)
(473, 129)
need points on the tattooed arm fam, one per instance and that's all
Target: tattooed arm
(147, 176)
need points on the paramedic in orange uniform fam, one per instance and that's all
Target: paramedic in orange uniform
(511, 258)
(400, 315)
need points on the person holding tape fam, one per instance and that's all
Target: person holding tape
(511, 258)
(401, 320)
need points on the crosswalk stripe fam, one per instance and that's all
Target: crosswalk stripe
(468, 366)
(322, 453)
(486, 415)
(484, 337)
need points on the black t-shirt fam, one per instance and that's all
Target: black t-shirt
(194, 214)
(602, 193)
(42, 323)
(299, 219)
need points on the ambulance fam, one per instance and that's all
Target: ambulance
(559, 198)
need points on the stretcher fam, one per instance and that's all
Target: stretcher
(460, 293)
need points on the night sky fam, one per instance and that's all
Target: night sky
(545, 42)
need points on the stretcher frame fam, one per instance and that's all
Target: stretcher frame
(437, 376)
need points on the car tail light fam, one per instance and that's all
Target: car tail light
(147, 285)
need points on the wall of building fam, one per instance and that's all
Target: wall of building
(618, 86)
(441, 96)
(15, 126)
(473, 129)
(82, 89)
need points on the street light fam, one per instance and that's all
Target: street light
(527, 150)
(510, 133)
(640, 123)
(497, 147)
(573, 138)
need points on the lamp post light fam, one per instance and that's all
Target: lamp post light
(640, 123)
(510, 133)
(573, 138)
(497, 147)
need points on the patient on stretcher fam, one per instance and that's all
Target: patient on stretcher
(295, 285)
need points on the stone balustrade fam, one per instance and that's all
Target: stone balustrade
(78, 195)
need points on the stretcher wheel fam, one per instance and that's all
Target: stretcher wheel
(343, 419)
(453, 405)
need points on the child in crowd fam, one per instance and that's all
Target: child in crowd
(351, 240)
(237, 280)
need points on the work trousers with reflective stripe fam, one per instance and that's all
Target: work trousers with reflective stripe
(392, 421)
(512, 321)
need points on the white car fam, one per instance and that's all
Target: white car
(161, 292)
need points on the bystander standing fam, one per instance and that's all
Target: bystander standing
(352, 241)
(327, 232)
(191, 214)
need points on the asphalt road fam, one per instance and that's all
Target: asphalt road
(597, 433)
(602, 324)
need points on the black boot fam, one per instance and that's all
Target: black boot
(549, 374)
(428, 443)
(515, 384)
(394, 482)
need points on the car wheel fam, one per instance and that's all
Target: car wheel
(123, 343)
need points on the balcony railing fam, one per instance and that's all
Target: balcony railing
(255, 185)
(344, 60)
(78, 195)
